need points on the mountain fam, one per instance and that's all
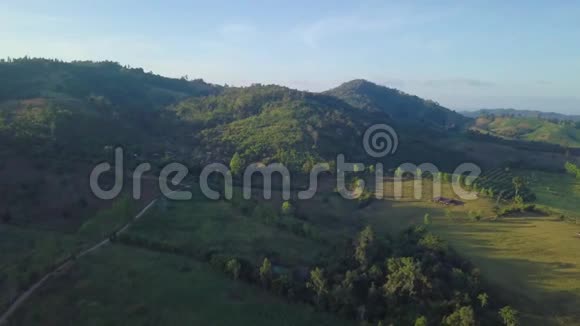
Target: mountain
(403, 108)
(123, 87)
(277, 124)
(274, 123)
(57, 120)
(521, 113)
(77, 108)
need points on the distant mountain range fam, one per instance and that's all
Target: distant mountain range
(521, 113)
(77, 109)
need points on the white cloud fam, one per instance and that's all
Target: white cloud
(378, 21)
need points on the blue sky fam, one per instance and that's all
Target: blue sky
(469, 54)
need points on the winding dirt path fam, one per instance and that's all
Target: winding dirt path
(26, 294)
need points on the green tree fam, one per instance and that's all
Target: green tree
(404, 277)
(399, 172)
(363, 243)
(287, 208)
(236, 164)
(233, 267)
(307, 166)
(421, 321)
(483, 299)
(475, 215)
(518, 201)
(432, 242)
(509, 316)
(266, 272)
(317, 283)
(427, 219)
(573, 169)
(518, 183)
(464, 316)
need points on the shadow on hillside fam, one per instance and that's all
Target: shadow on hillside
(521, 282)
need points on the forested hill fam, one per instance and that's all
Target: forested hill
(274, 123)
(404, 108)
(78, 109)
(53, 108)
(563, 133)
(119, 86)
(522, 114)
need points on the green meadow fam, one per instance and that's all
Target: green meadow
(129, 286)
(529, 261)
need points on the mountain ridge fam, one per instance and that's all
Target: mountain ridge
(521, 113)
(402, 107)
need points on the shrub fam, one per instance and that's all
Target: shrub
(236, 164)
(265, 272)
(427, 219)
(287, 208)
(475, 215)
(462, 317)
(233, 268)
(483, 299)
(562, 217)
(421, 321)
(509, 316)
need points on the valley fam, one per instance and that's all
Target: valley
(325, 260)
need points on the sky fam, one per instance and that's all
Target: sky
(464, 54)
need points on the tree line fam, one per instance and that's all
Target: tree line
(411, 279)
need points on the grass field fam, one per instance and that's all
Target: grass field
(529, 262)
(532, 263)
(129, 286)
(26, 255)
(217, 227)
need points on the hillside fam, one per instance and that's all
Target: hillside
(56, 107)
(521, 113)
(274, 123)
(52, 110)
(58, 119)
(277, 124)
(121, 86)
(564, 133)
(404, 108)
